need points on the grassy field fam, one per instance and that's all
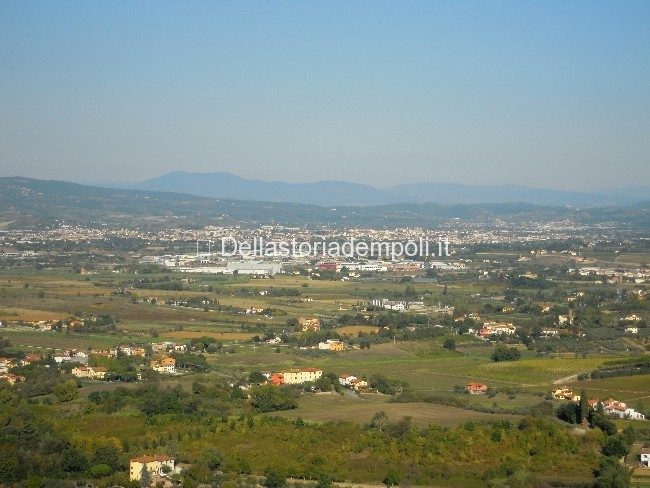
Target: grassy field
(424, 364)
(28, 314)
(57, 340)
(329, 407)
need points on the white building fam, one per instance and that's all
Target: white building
(165, 365)
(621, 410)
(645, 456)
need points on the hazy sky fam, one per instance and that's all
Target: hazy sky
(553, 94)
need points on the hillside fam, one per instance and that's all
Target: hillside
(29, 203)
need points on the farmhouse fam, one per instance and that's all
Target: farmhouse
(154, 464)
(331, 345)
(308, 324)
(302, 375)
(475, 388)
(491, 328)
(352, 382)
(565, 394)
(621, 410)
(165, 365)
(90, 372)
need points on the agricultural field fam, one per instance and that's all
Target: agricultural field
(631, 389)
(231, 317)
(331, 407)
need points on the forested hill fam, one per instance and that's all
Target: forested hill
(30, 203)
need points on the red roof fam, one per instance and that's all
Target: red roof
(152, 458)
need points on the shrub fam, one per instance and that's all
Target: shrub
(100, 470)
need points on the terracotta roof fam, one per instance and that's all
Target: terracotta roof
(151, 458)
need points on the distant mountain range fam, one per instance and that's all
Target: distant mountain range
(332, 193)
(39, 204)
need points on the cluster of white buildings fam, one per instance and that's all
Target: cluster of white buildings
(618, 409)
(71, 356)
(352, 382)
(610, 406)
(167, 346)
(165, 365)
(397, 305)
(614, 275)
(204, 263)
(496, 328)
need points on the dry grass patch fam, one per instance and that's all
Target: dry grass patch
(30, 314)
(194, 334)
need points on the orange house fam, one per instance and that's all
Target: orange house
(477, 388)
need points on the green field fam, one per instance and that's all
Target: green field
(330, 407)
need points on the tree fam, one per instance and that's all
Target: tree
(274, 478)
(569, 412)
(270, 398)
(449, 344)
(145, 477)
(100, 470)
(583, 411)
(504, 353)
(324, 481)
(256, 377)
(379, 420)
(72, 460)
(603, 423)
(392, 478)
(611, 474)
(615, 446)
(213, 459)
(107, 455)
(66, 391)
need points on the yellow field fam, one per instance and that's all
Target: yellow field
(193, 334)
(29, 314)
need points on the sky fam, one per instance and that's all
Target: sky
(544, 94)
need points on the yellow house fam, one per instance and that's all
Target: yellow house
(308, 323)
(297, 376)
(154, 465)
(92, 372)
(331, 345)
